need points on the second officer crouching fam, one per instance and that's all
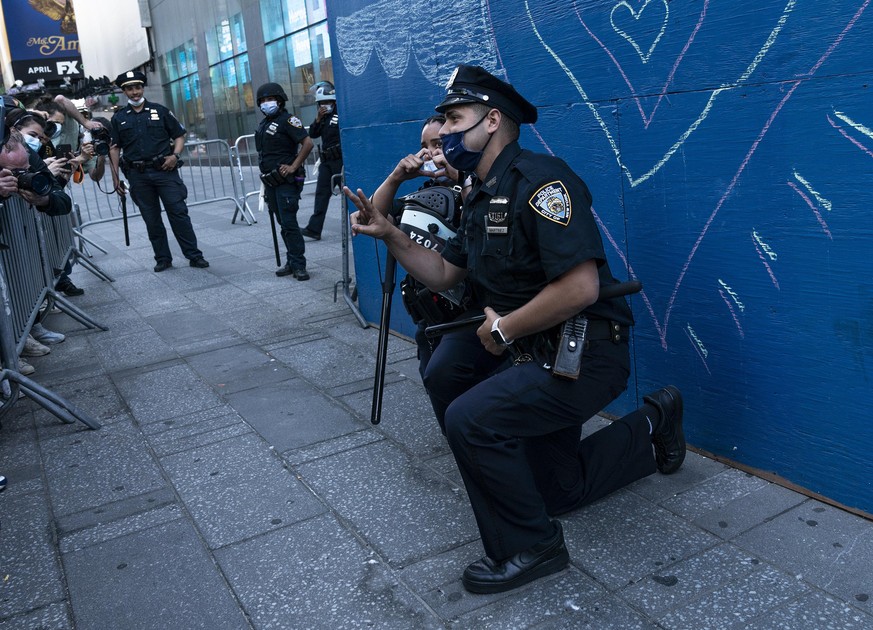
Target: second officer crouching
(283, 145)
(147, 141)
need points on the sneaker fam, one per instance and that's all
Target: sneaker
(46, 336)
(200, 263)
(67, 287)
(310, 234)
(25, 368)
(301, 274)
(33, 348)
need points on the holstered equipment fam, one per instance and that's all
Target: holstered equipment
(273, 178)
(331, 153)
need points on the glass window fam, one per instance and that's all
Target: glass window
(273, 27)
(212, 46)
(225, 41)
(302, 73)
(277, 64)
(317, 10)
(239, 33)
(295, 15)
(191, 53)
(321, 53)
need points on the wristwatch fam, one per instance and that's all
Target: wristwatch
(497, 334)
(178, 156)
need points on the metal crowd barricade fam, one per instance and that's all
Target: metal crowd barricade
(207, 171)
(26, 281)
(337, 182)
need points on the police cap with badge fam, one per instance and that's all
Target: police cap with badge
(129, 78)
(473, 84)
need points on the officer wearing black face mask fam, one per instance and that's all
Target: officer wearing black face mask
(283, 144)
(147, 143)
(530, 249)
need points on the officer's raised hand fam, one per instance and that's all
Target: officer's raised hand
(367, 220)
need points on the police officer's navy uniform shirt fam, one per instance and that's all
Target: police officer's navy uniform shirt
(327, 129)
(146, 134)
(525, 225)
(278, 139)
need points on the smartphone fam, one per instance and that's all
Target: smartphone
(64, 150)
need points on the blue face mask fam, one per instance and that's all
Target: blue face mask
(457, 155)
(33, 143)
(270, 107)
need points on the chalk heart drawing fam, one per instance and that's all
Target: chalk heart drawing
(621, 25)
(395, 30)
(695, 118)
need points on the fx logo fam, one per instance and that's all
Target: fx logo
(67, 67)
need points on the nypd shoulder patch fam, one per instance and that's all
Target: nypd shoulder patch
(553, 202)
(295, 122)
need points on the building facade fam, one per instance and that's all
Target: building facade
(211, 56)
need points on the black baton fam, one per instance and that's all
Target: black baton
(382, 348)
(607, 292)
(275, 239)
(124, 217)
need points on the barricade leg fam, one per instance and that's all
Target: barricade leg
(73, 311)
(48, 400)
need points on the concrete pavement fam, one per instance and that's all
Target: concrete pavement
(237, 482)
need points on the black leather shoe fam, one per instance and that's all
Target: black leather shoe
(284, 271)
(310, 234)
(68, 288)
(668, 438)
(301, 274)
(200, 263)
(544, 558)
(163, 266)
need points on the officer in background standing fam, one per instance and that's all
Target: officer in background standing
(147, 142)
(283, 145)
(532, 252)
(326, 127)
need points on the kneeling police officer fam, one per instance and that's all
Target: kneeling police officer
(283, 144)
(147, 140)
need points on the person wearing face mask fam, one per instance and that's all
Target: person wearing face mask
(429, 163)
(326, 127)
(531, 251)
(147, 143)
(283, 145)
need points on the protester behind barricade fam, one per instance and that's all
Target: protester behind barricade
(509, 398)
(99, 142)
(283, 144)
(147, 143)
(326, 127)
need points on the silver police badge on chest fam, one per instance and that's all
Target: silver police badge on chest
(553, 202)
(496, 221)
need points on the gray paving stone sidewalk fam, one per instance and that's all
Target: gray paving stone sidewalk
(236, 481)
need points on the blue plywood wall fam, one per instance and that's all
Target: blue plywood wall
(729, 149)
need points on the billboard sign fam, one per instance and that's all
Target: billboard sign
(43, 39)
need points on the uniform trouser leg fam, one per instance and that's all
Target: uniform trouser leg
(323, 193)
(515, 437)
(284, 201)
(145, 195)
(458, 363)
(173, 194)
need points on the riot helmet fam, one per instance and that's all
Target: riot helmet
(325, 93)
(272, 89)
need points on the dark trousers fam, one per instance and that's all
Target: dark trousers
(284, 201)
(515, 434)
(148, 190)
(323, 192)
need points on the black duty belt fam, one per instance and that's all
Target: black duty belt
(604, 329)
